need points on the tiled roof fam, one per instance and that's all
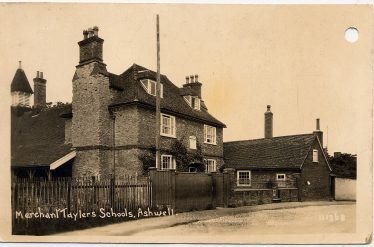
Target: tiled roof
(284, 152)
(132, 91)
(37, 139)
(20, 82)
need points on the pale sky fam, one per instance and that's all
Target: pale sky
(294, 58)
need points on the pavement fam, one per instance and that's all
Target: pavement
(242, 218)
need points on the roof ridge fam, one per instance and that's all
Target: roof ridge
(276, 137)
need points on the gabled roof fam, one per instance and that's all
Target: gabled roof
(20, 82)
(131, 91)
(37, 138)
(284, 152)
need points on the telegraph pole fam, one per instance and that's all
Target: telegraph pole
(158, 111)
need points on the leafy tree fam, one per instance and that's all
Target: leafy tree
(344, 165)
(185, 159)
(149, 160)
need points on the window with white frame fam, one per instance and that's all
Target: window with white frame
(243, 178)
(315, 155)
(167, 162)
(150, 87)
(193, 102)
(209, 134)
(192, 142)
(210, 165)
(281, 177)
(167, 125)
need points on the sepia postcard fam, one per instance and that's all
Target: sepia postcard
(186, 123)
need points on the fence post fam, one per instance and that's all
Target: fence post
(228, 179)
(153, 183)
(68, 183)
(112, 191)
(214, 189)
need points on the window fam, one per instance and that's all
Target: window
(192, 142)
(243, 178)
(192, 169)
(150, 87)
(209, 134)
(167, 162)
(167, 125)
(315, 155)
(210, 165)
(281, 177)
(193, 101)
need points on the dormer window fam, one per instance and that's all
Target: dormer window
(150, 87)
(193, 102)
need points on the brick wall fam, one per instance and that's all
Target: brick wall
(318, 175)
(90, 163)
(135, 128)
(260, 192)
(91, 124)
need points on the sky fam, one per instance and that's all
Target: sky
(294, 58)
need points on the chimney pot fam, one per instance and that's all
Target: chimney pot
(85, 34)
(187, 79)
(95, 31)
(196, 78)
(41, 75)
(268, 107)
(191, 78)
(90, 32)
(37, 74)
(317, 124)
(20, 64)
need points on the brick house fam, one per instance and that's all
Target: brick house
(295, 161)
(110, 124)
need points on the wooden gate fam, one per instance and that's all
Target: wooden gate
(193, 191)
(182, 191)
(163, 188)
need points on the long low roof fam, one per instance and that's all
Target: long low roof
(284, 152)
(38, 138)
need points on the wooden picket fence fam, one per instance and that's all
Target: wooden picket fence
(85, 194)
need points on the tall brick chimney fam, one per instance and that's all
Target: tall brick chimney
(39, 90)
(268, 123)
(91, 47)
(91, 122)
(318, 132)
(192, 82)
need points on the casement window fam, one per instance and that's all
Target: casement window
(243, 178)
(209, 134)
(210, 165)
(167, 125)
(192, 142)
(167, 162)
(193, 102)
(315, 155)
(281, 177)
(150, 87)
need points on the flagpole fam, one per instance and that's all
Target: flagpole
(158, 111)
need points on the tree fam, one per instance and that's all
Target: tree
(185, 159)
(344, 165)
